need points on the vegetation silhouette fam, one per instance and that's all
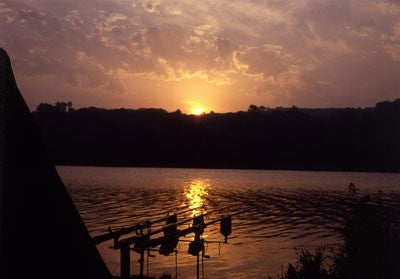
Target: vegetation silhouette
(348, 139)
(370, 249)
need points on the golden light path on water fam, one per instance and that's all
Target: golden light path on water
(195, 193)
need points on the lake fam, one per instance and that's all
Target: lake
(283, 210)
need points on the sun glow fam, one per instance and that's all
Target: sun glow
(197, 111)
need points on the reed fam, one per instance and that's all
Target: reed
(370, 249)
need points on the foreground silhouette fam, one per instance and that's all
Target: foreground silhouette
(42, 234)
(370, 249)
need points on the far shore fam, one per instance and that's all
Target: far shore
(221, 168)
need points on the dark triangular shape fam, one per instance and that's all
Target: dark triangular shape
(42, 233)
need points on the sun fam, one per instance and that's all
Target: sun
(197, 111)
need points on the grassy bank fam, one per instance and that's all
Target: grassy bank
(370, 249)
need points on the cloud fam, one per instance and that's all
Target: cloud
(268, 60)
(225, 47)
(151, 6)
(393, 42)
(306, 52)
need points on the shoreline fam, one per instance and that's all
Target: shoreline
(223, 168)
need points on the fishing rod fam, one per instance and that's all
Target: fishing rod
(189, 230)
(197, 245)
(134, 239)
(183, 232)
(169, 241)
(137, 227)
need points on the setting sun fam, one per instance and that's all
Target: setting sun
(197, 111)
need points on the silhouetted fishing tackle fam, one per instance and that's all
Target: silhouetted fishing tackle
(226, 227)
(143, 242)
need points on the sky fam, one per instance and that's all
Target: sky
(219, 55)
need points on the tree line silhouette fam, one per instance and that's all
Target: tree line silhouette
(343, 139)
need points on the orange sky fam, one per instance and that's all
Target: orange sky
(213, 55)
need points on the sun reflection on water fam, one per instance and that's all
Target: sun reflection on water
(195, 195)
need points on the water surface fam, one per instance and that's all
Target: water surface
(284, 210)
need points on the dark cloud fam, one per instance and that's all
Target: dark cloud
(225, 47)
